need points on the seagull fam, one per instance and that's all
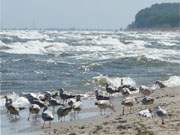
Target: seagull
(30, 97)
(62, 112)
(124, 91)
(49, 94)
(147, 100)
(34, 109)
(128, 102)
(103, 105)
(33, 99)
(38, 102)
(10, 108)
(146, 113)
(47, 116)
(54, 102)
(111, 90)
(55, 94)
(160, 84)
(161, 113)
(146, 91)
(131, 88)
(101, 97)
(76, 105)
(65, 96)
(7, 103)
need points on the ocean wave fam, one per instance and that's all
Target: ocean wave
(96, 45)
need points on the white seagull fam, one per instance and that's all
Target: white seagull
(161, 113)
(103, 105)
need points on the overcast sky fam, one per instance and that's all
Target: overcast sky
(92, 14)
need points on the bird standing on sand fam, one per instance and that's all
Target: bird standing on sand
(161, 113)
(100, 97)
(124, 91)
(65, 96)
(34, 109)
(147, 100)
(146, 113)
(146, 91)
(103, 105)
(128, 102)
(47, 116)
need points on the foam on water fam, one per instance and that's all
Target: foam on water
(173, 81)
(32, 34)
(35, 47)
(21, 102)
(106, 41)
(114, 81)
(96, 45)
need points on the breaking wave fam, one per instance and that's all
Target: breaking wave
(95, 45)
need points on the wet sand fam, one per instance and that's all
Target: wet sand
(128, 124)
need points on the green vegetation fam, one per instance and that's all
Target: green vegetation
(165, 15)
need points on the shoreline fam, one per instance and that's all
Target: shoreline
(128, 124)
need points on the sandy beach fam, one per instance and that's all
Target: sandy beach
(128, 124)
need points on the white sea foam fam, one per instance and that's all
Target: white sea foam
(173, 81)
(101, 80)
(97, 45)
(106, 41)
(35, 47)
(2, 44)
(25, 34)
(21, 102)
(114, 81)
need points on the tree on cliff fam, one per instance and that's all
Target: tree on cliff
(165, 15)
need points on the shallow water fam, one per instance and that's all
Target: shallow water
(22, 126)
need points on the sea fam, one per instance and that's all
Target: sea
(82, 61)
